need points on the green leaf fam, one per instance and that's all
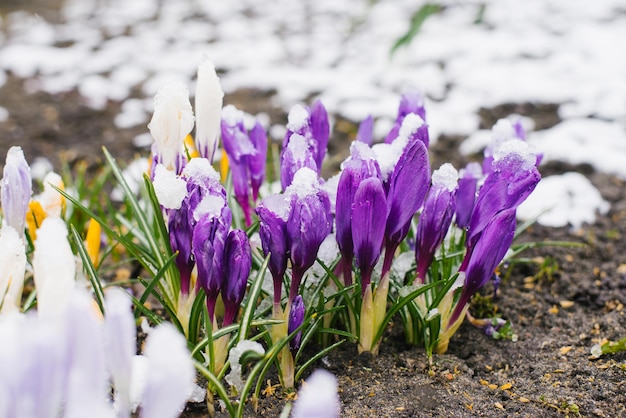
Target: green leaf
(90, 270)
(417, 20)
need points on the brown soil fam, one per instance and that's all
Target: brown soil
(561, 302)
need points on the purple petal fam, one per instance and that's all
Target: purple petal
(257, 162)
(296, 156)
(320, 130)
(368, 226)
(466, 194)
(237, 264)
(365, 133)
(296, 318)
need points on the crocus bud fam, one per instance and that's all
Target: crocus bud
(12, 268)
(313, 125)
(208, 103)
(16, 190)
(257, 162)
(482, 258)
(54, 267)
(171, 123)
(365, 133)
(407, 184)
(368, 226)
(512, 178)
(412, 101)
(273, 212)
(436, 218)
(237, 264)
(466, 193)
(296, 317)
(295, 156)
(308, 224)
(213, 219)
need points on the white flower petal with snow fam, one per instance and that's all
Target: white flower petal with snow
(170, 189)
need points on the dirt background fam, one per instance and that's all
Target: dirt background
(561, 303)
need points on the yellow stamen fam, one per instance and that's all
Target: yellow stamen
(34, 218)
(224, 167)
(94, 232)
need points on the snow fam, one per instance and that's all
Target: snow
(518, 149)
(305, 182)
(297, 118)
(546, 51)
(234, 378)
(170, 189)
(446, 177)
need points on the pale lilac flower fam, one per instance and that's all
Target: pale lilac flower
(120, 336)
(236, 267)
(435, 218)
(318, 397)
(16, 189)
(296, 318)
(54, 267)
(171, 122)
(208, 104)
(12, 268)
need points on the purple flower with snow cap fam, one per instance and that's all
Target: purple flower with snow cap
(466, 193)
(368, 226)
(273, 212)
(484, 255)
(296, 318)
(363, 165)
(313, 125)
(247, 152)
(308, 224)
(412, 101)
(295, 156)
(512, 178)
(236, 269)
(16, 188)
(436, 218)
(408, 184)
(504, 130)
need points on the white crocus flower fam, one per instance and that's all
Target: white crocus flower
(170, 375)
(171, 123)
(16, 188)
(120, 335)
(318, 397)
(50, 199)
(208, 102)
(12, 268)
(54, 267)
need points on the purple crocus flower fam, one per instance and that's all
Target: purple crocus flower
(246, 152)
(295, 156)
(16, 188)
(236, 269)
(365, 133)
(512, 179)
(484, 255)
(308, 225)
(435, 219)
(408, 184)
(466, 193)
(296, 318)
(208, 243)
(313, 125)
(504, 130)
(368, 226)
(180, 232)
(412, 101)
(362, 165)
(273, 212)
